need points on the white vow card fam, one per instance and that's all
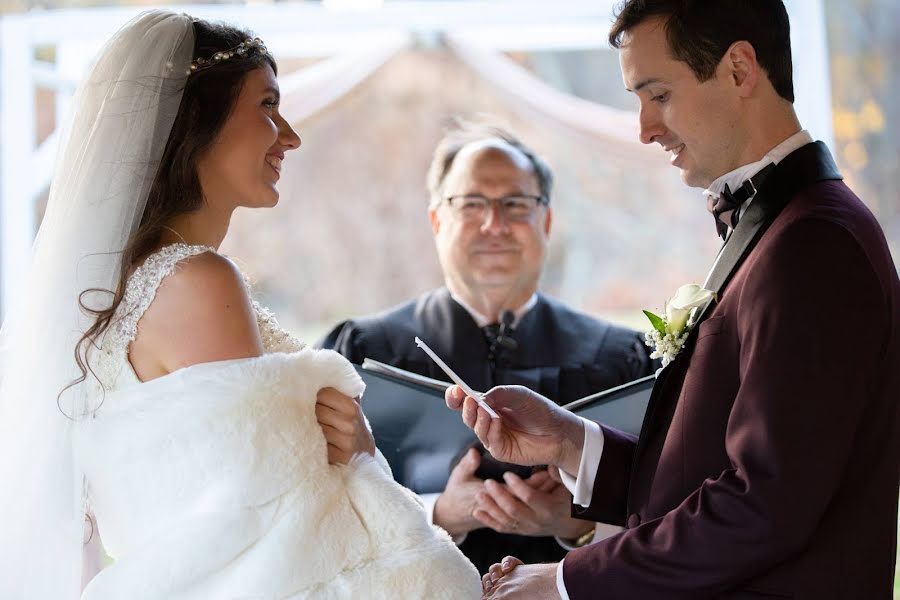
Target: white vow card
(456, 379)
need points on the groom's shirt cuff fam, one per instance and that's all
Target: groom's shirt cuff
(560, 583)
(582, 485)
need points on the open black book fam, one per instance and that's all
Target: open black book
(421, 438)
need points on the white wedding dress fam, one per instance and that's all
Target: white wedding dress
(212, 482)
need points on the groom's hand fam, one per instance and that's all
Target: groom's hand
(531, 430)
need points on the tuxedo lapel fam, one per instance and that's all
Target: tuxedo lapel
(739, 243)
(742, 240)
(807, 165)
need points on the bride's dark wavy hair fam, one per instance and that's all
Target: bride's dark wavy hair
(207, 101)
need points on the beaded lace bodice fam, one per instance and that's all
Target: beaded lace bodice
(112, 366)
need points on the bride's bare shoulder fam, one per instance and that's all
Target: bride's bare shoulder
(202, 312)
(202, 273)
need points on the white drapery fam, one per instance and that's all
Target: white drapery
(612, 131)
(307, 91)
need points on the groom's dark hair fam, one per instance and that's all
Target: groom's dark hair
(701, 31)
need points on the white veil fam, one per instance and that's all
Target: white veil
(122, 116)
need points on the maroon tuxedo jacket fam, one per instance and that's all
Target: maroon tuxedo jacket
(769, 459)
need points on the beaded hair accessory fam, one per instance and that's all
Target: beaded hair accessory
(240, 50)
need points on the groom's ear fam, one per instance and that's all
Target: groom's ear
(742, 67)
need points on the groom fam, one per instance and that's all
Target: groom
(768, 461)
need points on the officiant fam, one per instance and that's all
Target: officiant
(490, 212)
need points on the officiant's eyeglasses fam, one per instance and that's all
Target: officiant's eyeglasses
(474, 208)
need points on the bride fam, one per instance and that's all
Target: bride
(148, 402)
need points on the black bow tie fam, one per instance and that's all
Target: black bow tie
(726, 208)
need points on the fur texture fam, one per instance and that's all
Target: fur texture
(212, 482)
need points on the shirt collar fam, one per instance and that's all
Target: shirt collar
(737, 177)
(483, 321)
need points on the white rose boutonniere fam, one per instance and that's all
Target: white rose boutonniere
(669, 332)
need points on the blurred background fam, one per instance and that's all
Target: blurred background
(370, 84)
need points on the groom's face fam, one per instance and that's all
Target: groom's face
(696, 122)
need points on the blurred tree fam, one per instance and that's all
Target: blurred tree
(864, 42)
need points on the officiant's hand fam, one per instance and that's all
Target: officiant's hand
(537, 506)
(342, 421)
(531, 430)
(454, 507)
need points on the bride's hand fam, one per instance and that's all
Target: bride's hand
(342, 422)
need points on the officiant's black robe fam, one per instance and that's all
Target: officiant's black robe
(561, 354)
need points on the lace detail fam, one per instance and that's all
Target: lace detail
(113, 368)
(140, 290)
(274, 338)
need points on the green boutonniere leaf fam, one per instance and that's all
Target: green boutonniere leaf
(657, 322)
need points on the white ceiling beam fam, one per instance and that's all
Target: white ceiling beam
(573, 23)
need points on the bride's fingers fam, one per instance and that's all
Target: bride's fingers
(338, 455)
(509, 563)
(495, 572)
(337, 438)
(337, 401)
(486, 582)
(326, 415)
(327, 412)
(358, 439)
(345, 406)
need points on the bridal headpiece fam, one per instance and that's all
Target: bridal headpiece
(241, 50)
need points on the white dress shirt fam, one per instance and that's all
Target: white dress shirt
(582, 485)
(483, 321)
(736, 178)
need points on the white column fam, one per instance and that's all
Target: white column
(17, 122)
(812, 78)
